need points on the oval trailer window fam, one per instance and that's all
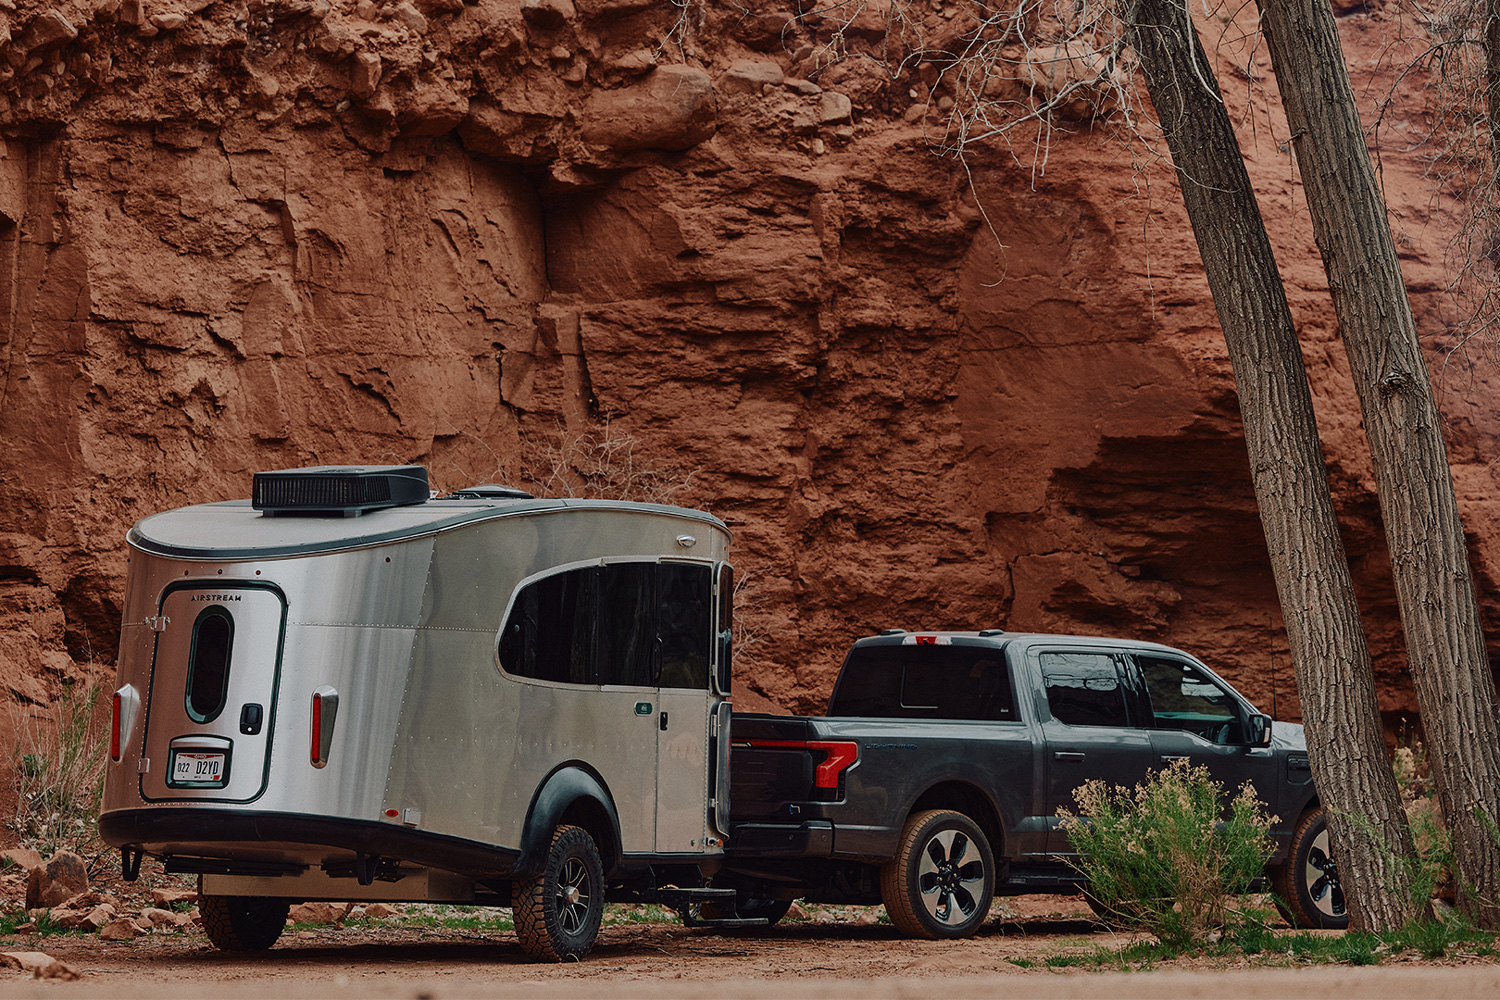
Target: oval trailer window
(208, 663)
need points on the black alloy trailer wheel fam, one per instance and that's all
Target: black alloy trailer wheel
(243, 923)
(1307, 887)
(942, 879)
(558, 911)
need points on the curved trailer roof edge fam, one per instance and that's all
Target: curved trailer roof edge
(233, 530)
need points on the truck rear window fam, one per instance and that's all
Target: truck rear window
(924, 682)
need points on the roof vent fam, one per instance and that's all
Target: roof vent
(490, 491)
(339, 489)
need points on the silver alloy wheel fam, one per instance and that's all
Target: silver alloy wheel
(573, 895)
(1320, 873)
(950, 875)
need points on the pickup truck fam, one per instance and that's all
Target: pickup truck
(934, 782)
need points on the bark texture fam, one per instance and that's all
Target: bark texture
(1313, 583)
(1434, 588)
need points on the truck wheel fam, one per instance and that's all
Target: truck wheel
(558, 911)
(942, 879)
(1307, 887)
(243, 923)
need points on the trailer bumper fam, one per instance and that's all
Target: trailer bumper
(220, 840)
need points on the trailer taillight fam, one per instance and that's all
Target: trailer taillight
(114, 729)
(124, 707)
(325, 708)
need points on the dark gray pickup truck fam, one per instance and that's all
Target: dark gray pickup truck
(935, 780)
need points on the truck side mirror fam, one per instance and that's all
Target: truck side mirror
(1258, 729)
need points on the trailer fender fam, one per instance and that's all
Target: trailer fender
(573, 795)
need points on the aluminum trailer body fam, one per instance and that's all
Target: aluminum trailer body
(414, 701)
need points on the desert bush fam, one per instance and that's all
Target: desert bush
(1167, 857)
(60, 757)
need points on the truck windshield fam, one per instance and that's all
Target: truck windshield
(924, 682)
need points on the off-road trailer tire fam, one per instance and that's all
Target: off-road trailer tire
(558, 911)
(243, 923)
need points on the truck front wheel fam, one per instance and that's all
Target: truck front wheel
(1307, 885)
(558, 911)
(942, 879)
(243, 923)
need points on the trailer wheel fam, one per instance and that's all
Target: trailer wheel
(1307, 886)
(558, 912)
(243, 923)
(942, 879)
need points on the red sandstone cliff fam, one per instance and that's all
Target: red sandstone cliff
(252, 235)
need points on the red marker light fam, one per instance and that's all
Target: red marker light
(393, 813)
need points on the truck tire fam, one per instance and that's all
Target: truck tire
(942, 879)
(243, 923)
(1308, 892)
(558, 911)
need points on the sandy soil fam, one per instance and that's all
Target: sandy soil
(796, 960)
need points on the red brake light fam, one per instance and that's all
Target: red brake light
(317, 730)
(114, 729)
(841, 755)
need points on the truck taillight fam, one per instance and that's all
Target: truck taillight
(114, 729)
(325, 708)
(841, 755)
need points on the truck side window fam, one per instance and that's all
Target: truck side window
(965, 683)
(550, 632)
(1083, 689)
(1184, 697)
(627, 624)
(682, 622)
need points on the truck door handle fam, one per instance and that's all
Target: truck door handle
(1172, 758)
(1068, 755)
(664, 722)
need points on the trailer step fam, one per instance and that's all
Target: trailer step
(686, 902)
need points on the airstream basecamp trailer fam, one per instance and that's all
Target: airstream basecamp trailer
(344, 689)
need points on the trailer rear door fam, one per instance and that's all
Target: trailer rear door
(211, 707)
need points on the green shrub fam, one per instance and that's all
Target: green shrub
(1168, 857)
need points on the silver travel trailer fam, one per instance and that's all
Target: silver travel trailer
(344, 689)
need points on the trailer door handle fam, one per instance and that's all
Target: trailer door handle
(1068, 755)
(664, 722)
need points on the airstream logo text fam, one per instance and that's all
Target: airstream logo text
(216, 597)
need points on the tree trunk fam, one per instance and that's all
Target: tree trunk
(1329, 651)
(1455, 690)
(1492, 81)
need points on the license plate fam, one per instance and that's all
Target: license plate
(197, 767)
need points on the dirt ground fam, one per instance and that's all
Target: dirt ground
(853, 957)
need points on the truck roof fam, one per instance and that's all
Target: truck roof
(1000, 638)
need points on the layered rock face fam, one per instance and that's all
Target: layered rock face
(925, 392)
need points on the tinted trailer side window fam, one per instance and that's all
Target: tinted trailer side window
(966, 683)
(632, 624)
